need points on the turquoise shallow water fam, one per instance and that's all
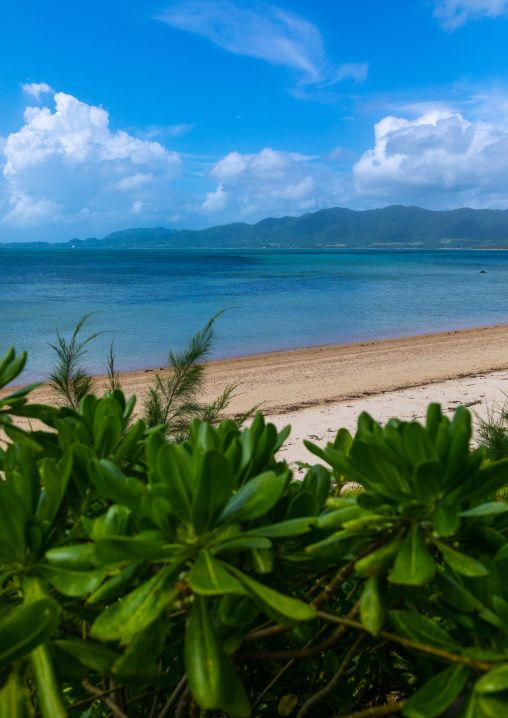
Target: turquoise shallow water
(153, 299)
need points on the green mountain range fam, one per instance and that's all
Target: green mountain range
(395, 227)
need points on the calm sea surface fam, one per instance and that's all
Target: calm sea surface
(153, 299)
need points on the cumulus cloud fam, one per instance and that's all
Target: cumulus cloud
(67, 165)
(265, 32)
(453, 13)
(440, 157)
(252, 186)
(36, 89)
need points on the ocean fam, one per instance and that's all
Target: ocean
(150, 300)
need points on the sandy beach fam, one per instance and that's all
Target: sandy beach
(320, 389)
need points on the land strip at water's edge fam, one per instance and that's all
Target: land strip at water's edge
(291, 381)
(321, 389)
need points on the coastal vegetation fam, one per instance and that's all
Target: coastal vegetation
(395, 227)
(140, 577)
(173, 398)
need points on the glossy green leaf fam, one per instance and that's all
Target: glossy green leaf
(115, 549)
(138, 609)
(489, 480)
(292, 527)
(455, 594)
(422, 629)
(256, 497)
(107, 437)
(209, 577)
(379, 560)
(139, 662)
(317, 482)
(414, 566)
(373, 605)
(438, 693)
(90, 653)
(117, 585)
(282, 604)
(214, 489)
(129, 441)
(14, 700)
(460, 562)
(489, 509)
(49, 691)
(494, 681)
(26, 627)
(242, 543)
(79, 557)
(55, 477)
(115, 522)
(174, 469)
(446, 521)
(73, 583)
(20, 470)
(112, 483)
(13, 519)
(210, 673)
(11, 366)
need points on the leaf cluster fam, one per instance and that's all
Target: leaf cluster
(140, 577)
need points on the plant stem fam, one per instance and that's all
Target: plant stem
(422, 647)
(283, 670)
(118, 712)
(344, 574)
(309, 706)
(85, 701)
(173, 697)
(304, 652)
(385, 710)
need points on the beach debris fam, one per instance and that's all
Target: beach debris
(469, 403)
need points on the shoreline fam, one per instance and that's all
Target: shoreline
(321, 389)
(294, 380)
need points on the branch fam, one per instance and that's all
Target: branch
(305, 652)
(385, 710)
(118, 712)
(422, 647)
(173, 697)
(318, 698)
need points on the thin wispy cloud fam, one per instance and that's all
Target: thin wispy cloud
(36, 89)
(265, 32)
(454, 13)
(154, 131)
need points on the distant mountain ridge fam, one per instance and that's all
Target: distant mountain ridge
(394, 227)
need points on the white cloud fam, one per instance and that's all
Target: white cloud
(67, 165)
(154, 131)
(36, 89)
(440, 157)
(215, 201)
(133, 182)
(265, 32)
(253, 186)
(356, 71)
(453, 13)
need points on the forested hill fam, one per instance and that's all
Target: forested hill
(390, 227)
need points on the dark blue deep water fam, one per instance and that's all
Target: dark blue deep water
(153, 299)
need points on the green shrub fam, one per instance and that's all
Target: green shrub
(492, 432)
(144, 578)
(172, 400)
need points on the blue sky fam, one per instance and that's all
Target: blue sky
(203, 112)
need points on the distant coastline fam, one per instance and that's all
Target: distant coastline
(389, 228)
